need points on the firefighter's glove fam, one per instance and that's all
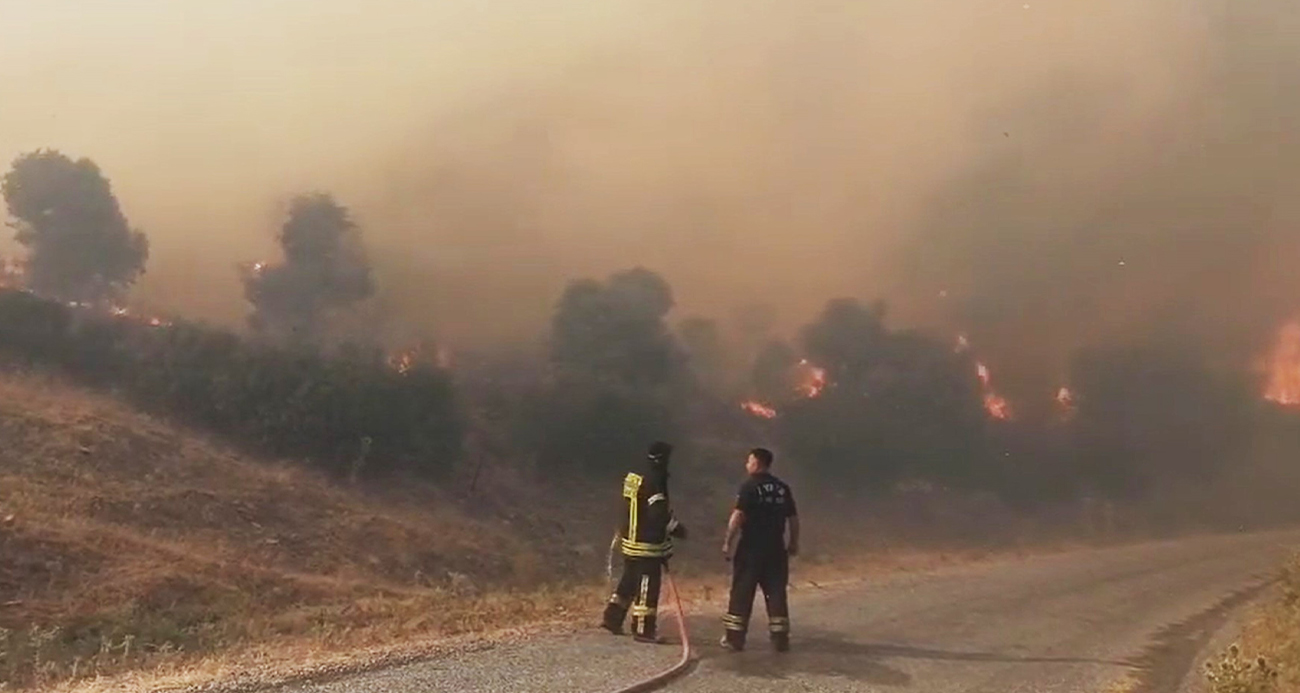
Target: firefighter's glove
(679, 531)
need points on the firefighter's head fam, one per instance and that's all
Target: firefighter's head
(759, 461)
(659, 453)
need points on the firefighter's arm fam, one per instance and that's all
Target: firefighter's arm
(672, 527)
(675, 528)
(733, 531)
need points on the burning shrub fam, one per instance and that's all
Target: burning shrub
(881, 406)
(324, 268)
(283, 402)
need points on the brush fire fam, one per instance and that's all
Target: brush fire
(13, 277)
(996, 405)
(1283, 367)
(406, 360)
(403, 361)
(810, 382)
(758, 409)
(813, 380)
(1065, 403)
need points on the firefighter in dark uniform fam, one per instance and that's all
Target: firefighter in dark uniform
(764, 508)
(645, 538)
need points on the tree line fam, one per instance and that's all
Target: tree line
(890, 406)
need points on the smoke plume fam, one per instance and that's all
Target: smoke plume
(1043, 174)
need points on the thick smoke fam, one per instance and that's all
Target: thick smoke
(1041, 174)
(1084, 228)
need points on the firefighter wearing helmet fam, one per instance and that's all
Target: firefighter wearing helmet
(645, 540)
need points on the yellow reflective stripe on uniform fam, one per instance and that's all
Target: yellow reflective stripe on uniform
(640, 549)
(639, 610)
(778, 625)
(631, 486)
(656, 498)
(733, 622)
(643, 611)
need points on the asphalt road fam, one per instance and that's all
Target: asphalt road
(1065, 623)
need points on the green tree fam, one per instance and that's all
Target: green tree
(325, 268)
(615, 331)
(617, 371)
(1152, 414)
(80, 246)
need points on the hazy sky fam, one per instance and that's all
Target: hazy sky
(779, 151)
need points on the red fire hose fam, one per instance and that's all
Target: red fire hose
(682, 664)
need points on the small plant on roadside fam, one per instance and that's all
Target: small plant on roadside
(1234, 673)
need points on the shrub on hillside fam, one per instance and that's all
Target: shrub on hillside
(618, 375)
(1272, 635)
(284, 402)
(896, 405)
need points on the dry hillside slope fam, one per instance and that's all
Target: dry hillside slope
(128, 542)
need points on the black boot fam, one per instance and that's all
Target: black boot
(733, 640)
(736, 627)
(613, 619)
(779, 629)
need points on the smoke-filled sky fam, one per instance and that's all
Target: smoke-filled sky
(1067, 171)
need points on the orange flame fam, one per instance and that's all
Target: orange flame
(1283, 366)
(406, 360)
(996, 405)
(758, 409)
(814, 381)
(1065, 400)
(403, 361)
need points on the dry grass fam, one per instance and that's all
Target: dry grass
(1267, 657)
(130, 544)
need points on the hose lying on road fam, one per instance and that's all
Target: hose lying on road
(682, 664)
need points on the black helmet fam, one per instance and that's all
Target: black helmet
(659, 452)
